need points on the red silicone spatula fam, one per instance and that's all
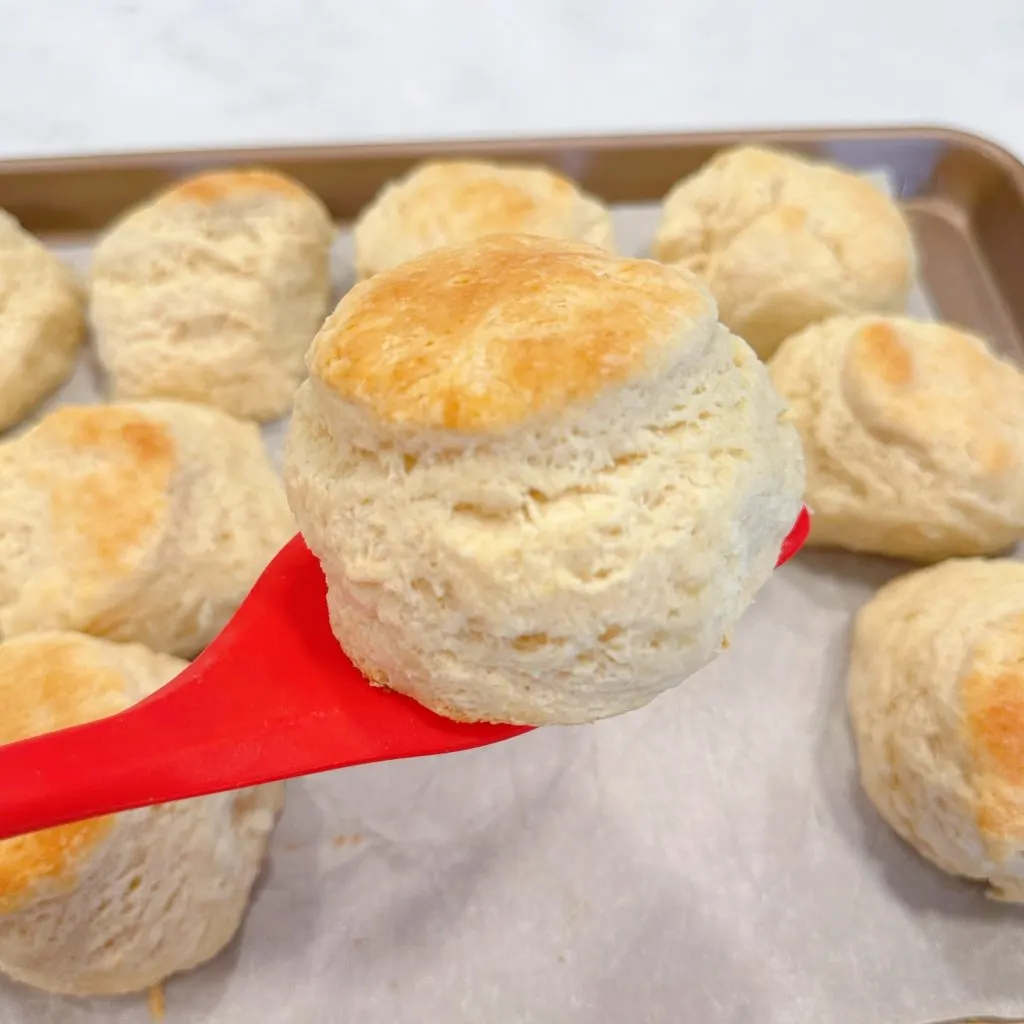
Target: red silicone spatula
(272, 697)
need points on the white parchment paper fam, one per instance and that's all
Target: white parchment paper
(708, 859)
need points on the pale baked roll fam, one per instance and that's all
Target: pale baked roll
(914, 437)
(544, 482)
(42, 322)
(146, 522)
(784, 242)
(116, 904)
(451, 202)
(212, 291)
(936, 696)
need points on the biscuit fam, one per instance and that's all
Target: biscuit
(42, 322)
(784, 242)
(448, 203)
(116, 904)
(145, 522)
(913, 434)
(544, 483)
(212, 292)
(936, 693)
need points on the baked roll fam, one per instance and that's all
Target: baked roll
(450, 202)
(914, 437)
(936, 695)
(212, 292)
(42, 322)
(543, 481)
(147, 522)
(784, 242)
(116, 904)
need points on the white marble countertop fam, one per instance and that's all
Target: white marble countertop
(107, 75)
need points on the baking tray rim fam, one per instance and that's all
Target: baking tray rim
(124, 160)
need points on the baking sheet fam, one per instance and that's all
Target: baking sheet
(709, 858)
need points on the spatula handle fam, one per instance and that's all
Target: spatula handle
(149, 754)
(180, 743)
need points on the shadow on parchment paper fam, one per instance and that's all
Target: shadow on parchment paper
(661, 956)
(936, 897)
(730, 990)
(20, 1004)
(459, 868)
(924, 889)
(826, 573)
(628, 955)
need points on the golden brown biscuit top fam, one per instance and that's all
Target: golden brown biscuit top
(476, 198)
(51, 681)
(877, 352)
(107, 471)
(217, 186)
(993, 700)
(932, 385)
(483, 336)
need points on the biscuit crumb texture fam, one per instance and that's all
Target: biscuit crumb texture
(116, 904)
(784, 242)
(212, 292)
(936, 691)
(546, 494)
(42, 322)
(145, 522)
(913, 434)
(451, 202)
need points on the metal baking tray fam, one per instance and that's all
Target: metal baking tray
(964, 194)
(709, 858)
